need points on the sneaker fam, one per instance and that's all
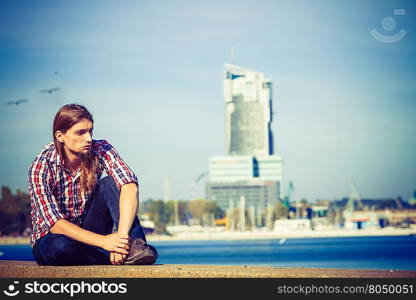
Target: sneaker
(141, 253)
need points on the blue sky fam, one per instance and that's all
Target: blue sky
(151, 74)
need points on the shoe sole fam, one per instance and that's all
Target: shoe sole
(145, 258)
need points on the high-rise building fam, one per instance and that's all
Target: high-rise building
(248, 109)
(246, 168)
(257, 179)
(256, 193)
(249, 173)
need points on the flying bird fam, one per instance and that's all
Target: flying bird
(17, 102)
(56, 73)
(50, 91)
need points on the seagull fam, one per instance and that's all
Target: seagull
(50, 91)
(17, 102)
(56, 73)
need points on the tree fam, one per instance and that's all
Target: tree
(159, 213)
(281, 211)
(14, 212)
(200, 208)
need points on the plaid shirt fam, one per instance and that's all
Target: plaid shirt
(56, 194)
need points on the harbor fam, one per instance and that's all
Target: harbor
(394, 252)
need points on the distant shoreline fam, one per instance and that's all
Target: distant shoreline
(252, 235)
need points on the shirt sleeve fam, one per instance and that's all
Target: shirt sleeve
(115, 166)
(43, 201)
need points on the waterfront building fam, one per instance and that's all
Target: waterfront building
(256, 193)
(248, 112)
(249, 171)
(255, 178)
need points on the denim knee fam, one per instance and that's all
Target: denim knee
(109, 192)
(55, 249)
(107, 182)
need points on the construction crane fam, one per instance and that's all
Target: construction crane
(288, 197)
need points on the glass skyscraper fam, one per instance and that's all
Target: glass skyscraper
(249, 170)
(248, 109)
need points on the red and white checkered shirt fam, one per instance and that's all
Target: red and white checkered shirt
(56, 194)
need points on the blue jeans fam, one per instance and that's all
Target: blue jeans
(102, 215)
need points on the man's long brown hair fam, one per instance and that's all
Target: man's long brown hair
(66, 117)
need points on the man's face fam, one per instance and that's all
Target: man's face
(78, 138)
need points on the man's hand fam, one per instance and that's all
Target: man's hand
(117, 243)
(117, 258)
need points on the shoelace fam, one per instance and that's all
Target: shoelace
(140, 244)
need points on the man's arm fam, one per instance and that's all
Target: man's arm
(75, 232)
(126, 182)
(128, 207)
(114, 242)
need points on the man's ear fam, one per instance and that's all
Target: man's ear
(59, 136)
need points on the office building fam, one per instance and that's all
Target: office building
(248, 112)
(249, 170)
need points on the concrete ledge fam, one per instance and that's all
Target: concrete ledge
(25, 269)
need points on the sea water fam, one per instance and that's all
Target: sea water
(383, 253)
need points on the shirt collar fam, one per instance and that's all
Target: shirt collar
(54, 157)
(57, 159)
